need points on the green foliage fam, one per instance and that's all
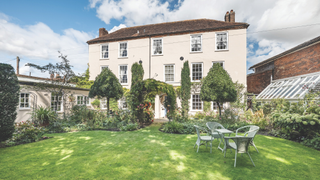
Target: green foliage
(313, 143)
(83, 80)
(106, 85)
(149, 88)
(240, 103)
(257, 118)
(295, 126)
(185, 90)
(43, 115)
(9, 100)
(26, 132)
(130, 127)
(137, 73)
(217, 86)
(206, 106)
(95, 103)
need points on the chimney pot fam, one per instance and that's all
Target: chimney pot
(103, 32)
(227, 17)
(232, 16)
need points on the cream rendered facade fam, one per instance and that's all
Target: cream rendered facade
(30, 99)
(173, 47)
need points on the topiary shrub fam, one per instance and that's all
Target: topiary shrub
(9, 99)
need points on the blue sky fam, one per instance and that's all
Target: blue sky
(36, 29)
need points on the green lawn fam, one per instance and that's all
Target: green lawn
(151, 154)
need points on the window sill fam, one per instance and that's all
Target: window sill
(170, 82)
(196, 81)
(222, 50)
(193, 110)
(195, 52)
(104, 59)
(25, 109)
(124, 84)
(157, 54)
(123, 57)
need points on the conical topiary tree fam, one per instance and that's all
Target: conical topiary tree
(9, 99)
(185, 89)
(106, 85)
(218, 87)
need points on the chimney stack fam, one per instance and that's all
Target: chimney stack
(102, 32)
(232, 16)
(18, 62)
(227, 17)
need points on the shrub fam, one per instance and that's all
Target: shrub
(313, 143)
(95, 103)
(257, 118)
(9, 99)
(130, 127)
(295, 126)
(26, 132)
(42, 116)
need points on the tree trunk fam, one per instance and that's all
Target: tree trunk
(108, 110)
(219, 109)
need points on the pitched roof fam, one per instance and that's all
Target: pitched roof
(177, 27)
(297, 48)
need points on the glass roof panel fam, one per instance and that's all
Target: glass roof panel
(291, 88)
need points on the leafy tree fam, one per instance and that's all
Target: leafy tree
(83, 81)
(9, 99)
(106, 85)
(58, 86)
(218, 87)
(185, 89)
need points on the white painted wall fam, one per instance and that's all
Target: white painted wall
(175, 46)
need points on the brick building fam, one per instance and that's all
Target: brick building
(300, 60)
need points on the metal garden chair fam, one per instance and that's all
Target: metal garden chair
(240, 145)
(251, 133)
(212, 127)
(203, 138)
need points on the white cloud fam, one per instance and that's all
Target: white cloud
(262, 16)
(116, 28)
(38, 42)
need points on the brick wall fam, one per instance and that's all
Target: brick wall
(258, 81)
(298, 63)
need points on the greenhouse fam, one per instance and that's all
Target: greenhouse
(291, 89)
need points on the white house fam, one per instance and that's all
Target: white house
(162, 48)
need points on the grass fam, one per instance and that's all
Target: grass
(151, 154)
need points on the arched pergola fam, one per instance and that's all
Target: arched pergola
(149, 88)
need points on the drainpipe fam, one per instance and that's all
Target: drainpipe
(18, 62)
(149, 57)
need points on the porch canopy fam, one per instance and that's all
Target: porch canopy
(292, 88)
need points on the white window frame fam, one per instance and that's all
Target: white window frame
(61, 108)
(120, 56)
(192, 71)
(24, 102)
(164, 72)
(192, 103)
(161, 46)
(85, 99)
(227, 48)
(101, 67)
(101, 103)
(101, 57)
(223, 65)
(200, 42)
(126, 74)
(121, 102)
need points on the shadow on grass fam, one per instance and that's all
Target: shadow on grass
(151, 154)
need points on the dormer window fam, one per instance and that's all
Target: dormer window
(221, 41)
(123, 49)
(157, 47)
